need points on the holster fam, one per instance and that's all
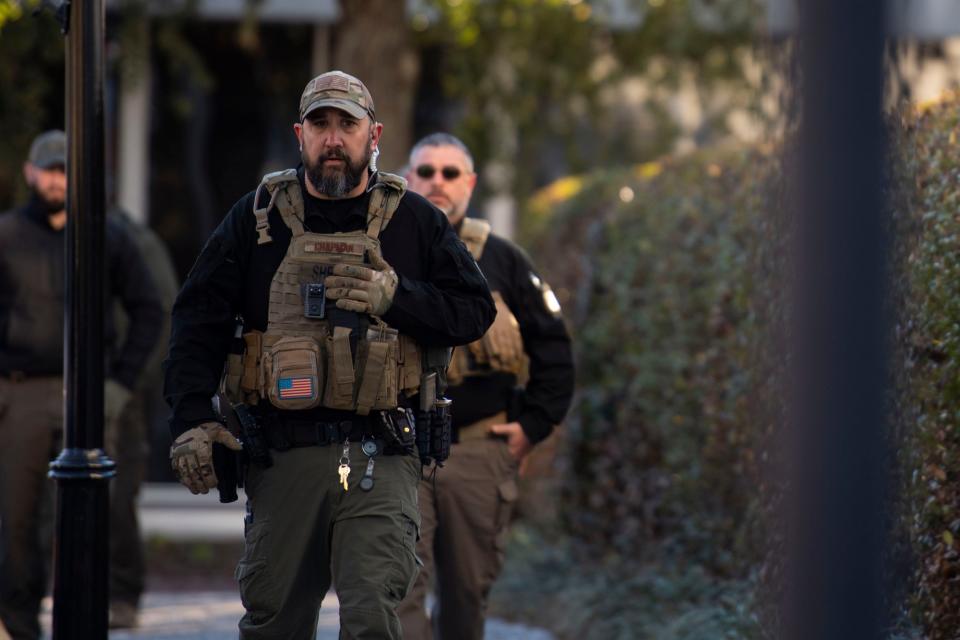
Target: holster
(226, 464)
(229, 465)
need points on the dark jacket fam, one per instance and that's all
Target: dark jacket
(442, 298)
(32, 298)
(546, 397)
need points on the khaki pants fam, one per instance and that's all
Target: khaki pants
(465, 517)
(31, 424)
(303, 531)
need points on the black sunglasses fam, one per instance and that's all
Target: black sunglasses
(426, 172)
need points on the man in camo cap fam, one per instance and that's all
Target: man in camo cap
(349, 287)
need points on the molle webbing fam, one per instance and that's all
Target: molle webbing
(385, 197)
(306, 359)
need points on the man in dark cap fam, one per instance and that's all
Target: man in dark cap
(32, 270)
(351, 291)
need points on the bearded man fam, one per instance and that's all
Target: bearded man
(32, 268)
(349, 292)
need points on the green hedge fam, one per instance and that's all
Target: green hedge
(656, 266)
(671, 278)
(928, 363)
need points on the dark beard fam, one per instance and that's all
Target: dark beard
(336, 183)
(48, 206)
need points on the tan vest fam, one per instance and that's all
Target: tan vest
(482, 357)
(303, 361)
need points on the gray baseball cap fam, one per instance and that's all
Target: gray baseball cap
(338, 90)
(49, 149)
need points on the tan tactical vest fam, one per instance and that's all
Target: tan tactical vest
(343, 360)
(483, 357)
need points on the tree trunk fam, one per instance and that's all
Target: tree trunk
(373, 42)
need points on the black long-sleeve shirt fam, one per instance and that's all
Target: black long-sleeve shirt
(442, 298)
(549, 390)
(32, 298)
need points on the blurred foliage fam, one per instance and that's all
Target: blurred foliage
(545, 583)
(672, 277)
(543, 83)
(662, 297)
(668, 274)
(31, 91)
(928, 337)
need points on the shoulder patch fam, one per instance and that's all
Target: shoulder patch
(550, 300)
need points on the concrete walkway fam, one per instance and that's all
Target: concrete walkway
(171, 512)
(213, 615)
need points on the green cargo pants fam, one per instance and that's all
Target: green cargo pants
(303, 531)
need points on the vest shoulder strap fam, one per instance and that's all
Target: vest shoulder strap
(284, 190)
(385, 195)
(474, 233)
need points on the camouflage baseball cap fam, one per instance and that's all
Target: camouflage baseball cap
(339, 90)
(49, 149)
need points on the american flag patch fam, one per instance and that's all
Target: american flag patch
(295, 388)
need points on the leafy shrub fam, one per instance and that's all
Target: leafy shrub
(928, 364)
(656, 268)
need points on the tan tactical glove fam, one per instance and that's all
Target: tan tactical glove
(363, 289)
(502, 342)
(115, 399)
(191, 455)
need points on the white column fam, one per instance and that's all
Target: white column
(500, 211)
(133, 145)
(320, 56)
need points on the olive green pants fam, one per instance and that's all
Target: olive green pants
(465, 512)
(303, 531)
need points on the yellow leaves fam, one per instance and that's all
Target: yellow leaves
(10, 10)
(648, 170)
(556, 192)
(925, 106)
(948, 538)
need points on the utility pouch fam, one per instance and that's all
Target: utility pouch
(434, 432)
(294, 375)
(377, 370)
(338, 393)
(441, 430)
(398, 431)
(230, 385)
(250, 376)
(409, 368)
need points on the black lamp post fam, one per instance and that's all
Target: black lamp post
(83, 470)
(837, 474)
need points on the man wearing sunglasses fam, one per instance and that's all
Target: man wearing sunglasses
(465, 511)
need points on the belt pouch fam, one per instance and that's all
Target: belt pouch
(295, 375)
(338, 393)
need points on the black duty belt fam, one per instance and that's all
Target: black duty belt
(282, 434)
